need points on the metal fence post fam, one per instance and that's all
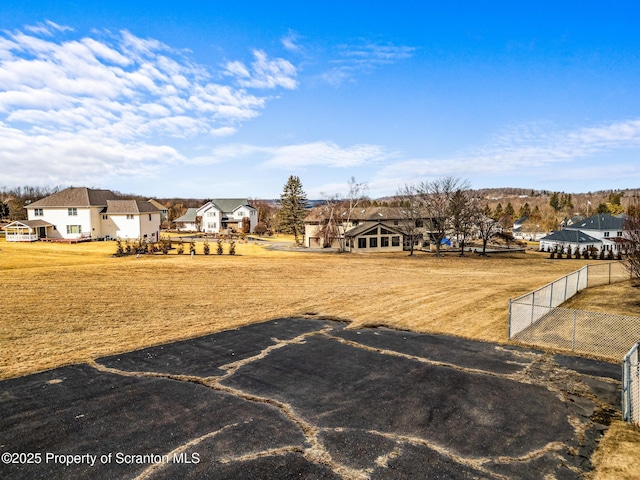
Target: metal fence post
(551, 296)
(509, 332)
(573, 336)
(533, 302)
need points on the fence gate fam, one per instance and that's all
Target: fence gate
(631, 386)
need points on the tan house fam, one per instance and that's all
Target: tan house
(357, 228)
(375, 237)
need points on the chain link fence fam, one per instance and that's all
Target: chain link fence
(537, 319)
(631, 386)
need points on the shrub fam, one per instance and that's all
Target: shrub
(180, 250)
(232, 248)
(192, 247)
(219, 250)
(205, 247)
(119, 247)
(165, 245)
(260, 229)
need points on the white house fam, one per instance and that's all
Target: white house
(601, 231)
(187, 222)
(80, 213)
(226, 213)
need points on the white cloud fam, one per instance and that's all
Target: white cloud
(290, 42)
(264, 73)
(526, 151)
(364, 57)
(325, 154)
(73, 110)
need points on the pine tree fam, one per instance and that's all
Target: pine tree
(292, 213)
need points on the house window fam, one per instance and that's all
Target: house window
(619, 234)
(129, 217)
(211, 214)
(105, 217)
(395, 241)
(606, 234)
(149, 217)
(354, 223)
(38, 212)
(419, 223)
(74, 228)
(384, 231)
(73, 212)
(211, 225)
(396, 222)
(362, 243)
(373, 242)
(384, 241)
(372, 232)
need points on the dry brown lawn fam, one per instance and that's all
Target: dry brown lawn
(64, 304)
(69, 303)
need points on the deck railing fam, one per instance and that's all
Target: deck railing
(21, 237)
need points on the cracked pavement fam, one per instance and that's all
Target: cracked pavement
(309, 398)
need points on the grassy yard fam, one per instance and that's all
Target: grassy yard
(68, 303)
(64, 304)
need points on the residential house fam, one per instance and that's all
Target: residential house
(375, 236)
(164, 210)
(527, 229)
(360, 223)
(227, 214)
(188, 222)
(601, 231)
(80, 213)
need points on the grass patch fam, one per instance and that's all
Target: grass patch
(69, 303)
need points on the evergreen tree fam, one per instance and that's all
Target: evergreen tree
(498, 212)
(554, 201)
(525, 210)
(509, 210)
(293, 201)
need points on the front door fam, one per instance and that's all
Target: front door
(42, 232)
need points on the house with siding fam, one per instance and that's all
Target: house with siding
(80, 213)
(601, 231)
(359, 227)
(223, 214)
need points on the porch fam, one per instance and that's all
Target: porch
(27, 230)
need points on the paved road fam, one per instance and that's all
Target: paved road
(302, 398)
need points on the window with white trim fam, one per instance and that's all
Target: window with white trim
(74, 229)
(73, 212)
(38, 212)
(129, 217)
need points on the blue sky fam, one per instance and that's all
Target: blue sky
(227, 99)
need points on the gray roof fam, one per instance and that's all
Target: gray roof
(129, 207)
(228, 205)
(76, 197)
(570, 236)
(158, 205)
(189, 217)
(30, 223)
(600, 221)
(366, 226)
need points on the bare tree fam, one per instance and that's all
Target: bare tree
(411, 209)
(631, 236)
(338, 212)
(436, 199)
(487, 227)
(463, 213)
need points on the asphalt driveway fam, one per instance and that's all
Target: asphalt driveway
(303, 398)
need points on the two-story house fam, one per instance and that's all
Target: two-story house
(601, 231)
(80, 213)
(226, 214)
